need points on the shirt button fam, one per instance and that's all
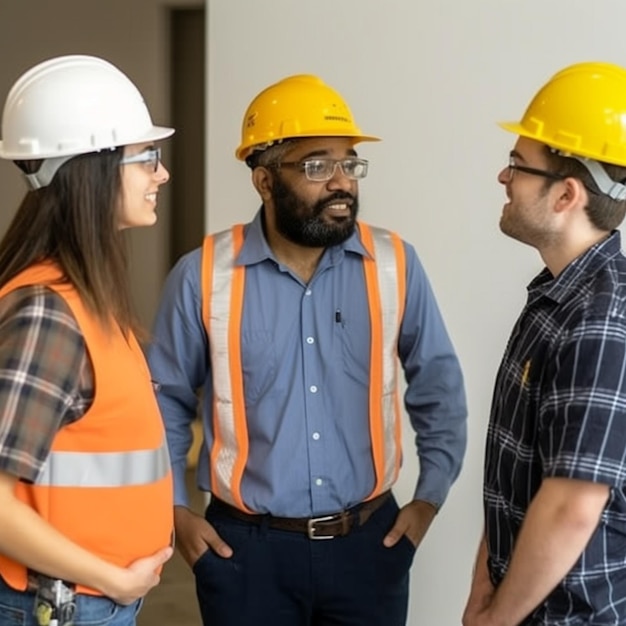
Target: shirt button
(316, 436)
(310, 340)
(308, 292)
(313, 389)
(319, 482)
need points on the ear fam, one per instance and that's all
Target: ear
(262, 181)
(572, 195)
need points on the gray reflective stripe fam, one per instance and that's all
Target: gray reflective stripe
(222, 469)
(105, 469)
(387, 271)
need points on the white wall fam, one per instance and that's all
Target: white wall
(431, 78)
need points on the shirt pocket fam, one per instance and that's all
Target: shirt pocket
(259, 364)
(355, 352)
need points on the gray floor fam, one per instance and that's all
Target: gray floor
(173, 602)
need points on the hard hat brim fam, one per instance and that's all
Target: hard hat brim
(242, 153)
(156, 133)
(561, 147)
(515, 128)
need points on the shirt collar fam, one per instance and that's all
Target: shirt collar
(544, 284)
(255, 248)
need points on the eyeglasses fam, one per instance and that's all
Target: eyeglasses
(151, 157)
(513, 167)
(320, 170)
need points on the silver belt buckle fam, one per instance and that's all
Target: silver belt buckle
(311, 527)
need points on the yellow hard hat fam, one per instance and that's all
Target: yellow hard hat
(580, 111)
(297, 106)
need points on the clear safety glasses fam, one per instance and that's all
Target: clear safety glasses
(151, 157)
(322, 169)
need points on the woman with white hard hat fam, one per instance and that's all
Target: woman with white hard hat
(85, 481)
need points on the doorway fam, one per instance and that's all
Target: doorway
(188, 50)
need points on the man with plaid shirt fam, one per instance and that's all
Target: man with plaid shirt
(554, 546)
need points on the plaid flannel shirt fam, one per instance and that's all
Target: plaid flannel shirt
(559, 410)
(46, 379)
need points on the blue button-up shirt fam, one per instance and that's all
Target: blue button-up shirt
(305, 354)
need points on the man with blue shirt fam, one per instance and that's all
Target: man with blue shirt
(292, 327)
(554, 547)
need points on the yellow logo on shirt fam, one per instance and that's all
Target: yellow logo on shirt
(525, 373)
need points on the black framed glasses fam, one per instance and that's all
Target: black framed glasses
(513, 167)
(323, 169)
(151, 157)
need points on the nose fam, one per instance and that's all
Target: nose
(162, 173)
(504, 176)
(339, 181)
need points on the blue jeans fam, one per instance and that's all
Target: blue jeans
(16, 609)
(283, 578)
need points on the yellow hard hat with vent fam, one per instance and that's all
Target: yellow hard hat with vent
(296, 107)
(580, 111)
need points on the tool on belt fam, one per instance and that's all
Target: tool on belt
(55, 602)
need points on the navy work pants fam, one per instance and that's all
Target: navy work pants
(283, 578)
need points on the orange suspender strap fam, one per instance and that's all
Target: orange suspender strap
(206, 273)
(222, 306)
(236, 370)
(385, 272)
(376, 348)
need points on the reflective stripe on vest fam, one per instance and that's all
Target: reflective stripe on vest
(105, 469)
(222, 305)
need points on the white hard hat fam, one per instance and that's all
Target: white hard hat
(72, 105)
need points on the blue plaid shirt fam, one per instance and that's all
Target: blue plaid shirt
(559, 410)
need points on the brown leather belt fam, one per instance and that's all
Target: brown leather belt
(323, 527)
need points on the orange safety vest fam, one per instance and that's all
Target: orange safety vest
(222, 305)
(107, 482)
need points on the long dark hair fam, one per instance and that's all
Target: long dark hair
(74, 223)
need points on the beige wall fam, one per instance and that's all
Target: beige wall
(132, 34)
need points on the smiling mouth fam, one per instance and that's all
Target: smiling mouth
(337, 208)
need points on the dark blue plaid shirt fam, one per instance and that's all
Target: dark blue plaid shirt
(559, 410)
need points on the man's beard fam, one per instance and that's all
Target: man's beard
(304, 225)
(529, 223)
